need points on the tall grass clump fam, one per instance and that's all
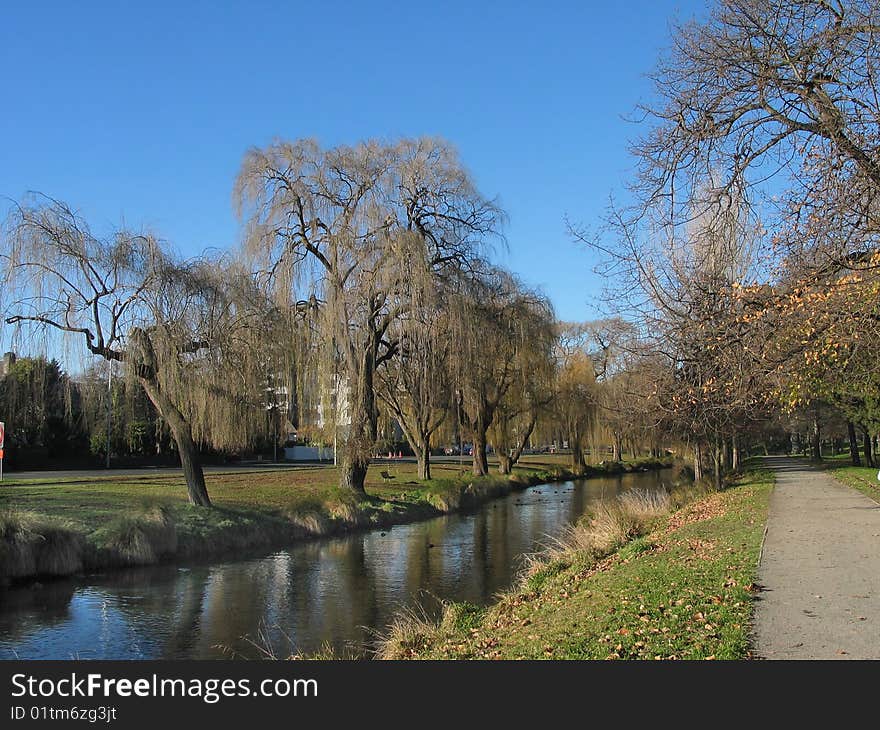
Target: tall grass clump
(611, 524)
(645, 505)
(444, 495)
(348, 512)
(310, 523)
(32, 545)
(411, 631)
(139, 539)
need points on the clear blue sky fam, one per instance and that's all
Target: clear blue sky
(140, 112)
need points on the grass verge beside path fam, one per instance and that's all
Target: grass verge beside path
(681, 590)
(863, 478)
(66, 526)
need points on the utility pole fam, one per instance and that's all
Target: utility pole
(109, 406)
(460, 441)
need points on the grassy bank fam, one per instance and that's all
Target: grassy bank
(863, 478)
(63, 526)
(644, 578)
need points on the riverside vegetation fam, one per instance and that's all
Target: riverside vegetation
(73, 526)
(651, 575)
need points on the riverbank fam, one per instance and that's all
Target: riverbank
(644, 580)
(64, 527)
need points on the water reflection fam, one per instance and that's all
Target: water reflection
(335, 592)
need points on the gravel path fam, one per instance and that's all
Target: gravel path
(820, 569)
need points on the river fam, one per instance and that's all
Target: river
(334, 592)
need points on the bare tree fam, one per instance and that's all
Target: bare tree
(415, 385)
(364, 231)
(502, 331)
(186, 331)
(765, 78)
(761, 89)
(576, 401)
(679, 286)
(527, 400)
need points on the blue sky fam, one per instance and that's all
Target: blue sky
(139, 113)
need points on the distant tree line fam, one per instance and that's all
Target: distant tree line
(53, 419)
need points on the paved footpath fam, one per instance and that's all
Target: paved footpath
(820, 569)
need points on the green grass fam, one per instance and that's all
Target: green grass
(863, 478)
(144, 519)
(681, 591)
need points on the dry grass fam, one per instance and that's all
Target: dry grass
(645, 505)
(611, 524)
(348, 512)
(410, 632)
(310, 524)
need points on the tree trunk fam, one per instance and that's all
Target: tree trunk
(186, 447)
(424, 456)
(817, 438)
(146, 369)
(353, 473)
(505, 463)
(419, 440)
(480, 462)
(853, 443)
(616, 449)
(734, 453)
(717, 457)
(698, 462)
(869, 456)
(577, 459)
(518, 448)
(361, 437)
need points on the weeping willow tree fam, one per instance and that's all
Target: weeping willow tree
(363, 232)
(531, 392)
(576, 398)
(503, 335)
(195, 335)
(415, 386)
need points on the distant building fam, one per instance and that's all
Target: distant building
(338, 396)
(327, 408)
(6, 363)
